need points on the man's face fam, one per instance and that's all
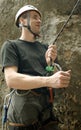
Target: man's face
(33, 19)
(35, 22)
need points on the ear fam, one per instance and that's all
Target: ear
(22, 20)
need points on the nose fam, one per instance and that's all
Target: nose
(39, 20)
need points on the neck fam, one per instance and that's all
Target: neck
(27, 36)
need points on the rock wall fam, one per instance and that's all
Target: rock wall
(67, 102)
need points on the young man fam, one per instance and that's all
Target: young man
(24, 61)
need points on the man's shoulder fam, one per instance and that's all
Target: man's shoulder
(9, 42)
(43, 44)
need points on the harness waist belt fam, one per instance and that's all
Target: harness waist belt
(16, 124)
(35, 125)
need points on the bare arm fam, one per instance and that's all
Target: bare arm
(25, 82)
(22, 81)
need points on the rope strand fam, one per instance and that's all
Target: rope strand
(66, 21)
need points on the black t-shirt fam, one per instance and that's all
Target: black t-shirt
(29, 57)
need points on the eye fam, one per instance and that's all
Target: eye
(36, 17)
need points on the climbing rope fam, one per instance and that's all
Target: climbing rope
(61, 30)
(50, 69)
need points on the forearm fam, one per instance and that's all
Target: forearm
(22, 81)
(25, 82)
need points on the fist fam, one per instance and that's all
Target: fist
(60, 79)
(51, 54)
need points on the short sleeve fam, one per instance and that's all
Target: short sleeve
(9, 55)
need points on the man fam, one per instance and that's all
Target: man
(24, 61)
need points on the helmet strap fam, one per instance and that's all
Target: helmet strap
(28, 26)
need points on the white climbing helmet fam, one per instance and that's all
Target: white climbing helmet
(24, 9)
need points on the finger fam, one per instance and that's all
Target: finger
(65, 73)
(69, 71)
(52, 53)
(52, 46)
(52, 50)
(65, 81)
(64, 84)
(65, 77)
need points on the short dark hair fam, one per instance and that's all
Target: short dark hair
(23, 15)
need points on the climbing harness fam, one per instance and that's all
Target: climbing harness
(51, 69)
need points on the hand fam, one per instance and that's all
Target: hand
(51, 54)
(60, 79)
